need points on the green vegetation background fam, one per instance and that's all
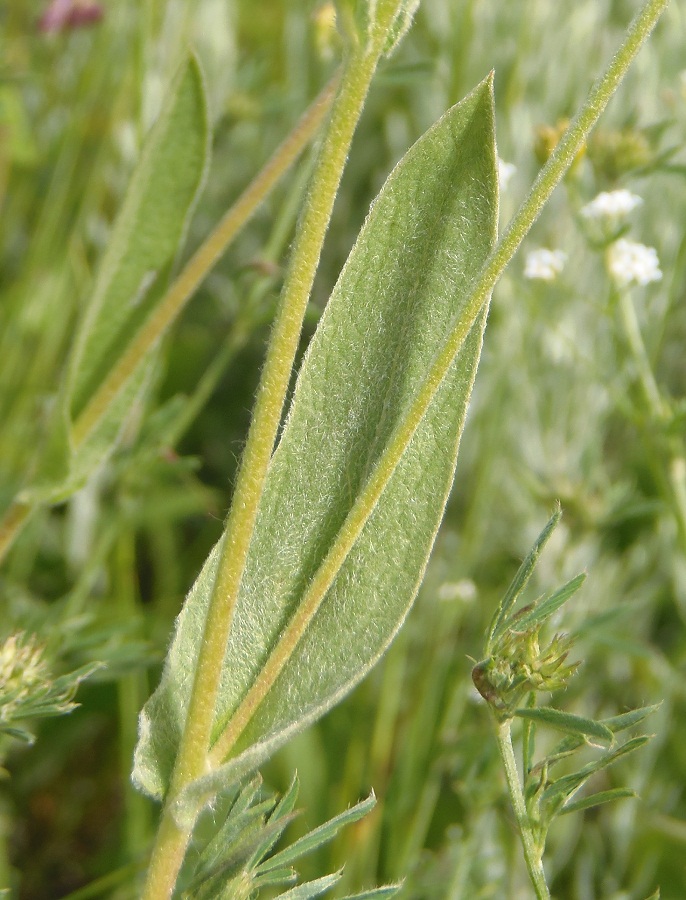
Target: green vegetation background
(557, 413)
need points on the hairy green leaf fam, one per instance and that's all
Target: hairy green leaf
(562, 721)
(520, 581)
(400, 292)
(557, 793)
(628, 719)
(133, 275)
(321, 835)
(614, 723)
(380, 893)
(543, 609)
(312, 888)
(599, 799)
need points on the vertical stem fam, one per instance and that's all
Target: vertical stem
(656, 405)
(673, 459)
(533, 855)
(192, 758)
(11, 523)
(528, 738)
(131, 693)
(677, 481)
(5, 833)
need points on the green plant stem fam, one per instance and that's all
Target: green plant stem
(528, 738)
(192, 758)
(551, 174)
(15, 517)
(131, 693)
(253, 312)
(533, 855)
(658, 410)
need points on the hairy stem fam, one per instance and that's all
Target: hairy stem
(533, 854)
(192, 759)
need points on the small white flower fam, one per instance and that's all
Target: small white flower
(544, 264)
(632, 263)
(505, 172)
(611, 205)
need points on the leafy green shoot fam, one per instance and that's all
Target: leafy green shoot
(238, 860)
(519, 666)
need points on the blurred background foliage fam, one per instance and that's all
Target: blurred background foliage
(558, 412)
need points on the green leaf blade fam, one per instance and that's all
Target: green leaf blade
(312, 888)
(598, 799)
(557, 793)
(543, 610)
(318, 836)
(131, 279)
(381, 893)
(567, 722)
(405, 281)
(148, 230)
(521, 579)
(630, 718)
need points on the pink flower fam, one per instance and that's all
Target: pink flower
(63, 15)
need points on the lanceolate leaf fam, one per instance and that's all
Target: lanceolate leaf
(319, 836)
(568, 722)
(544, 609)
(521, 579)
(598, 800)
(134, 271)
(312, 889)
(426, 237)
(557, 793)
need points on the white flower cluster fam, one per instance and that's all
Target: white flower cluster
(627, 262)
(632, 263)
(611, 205)
(544, 264)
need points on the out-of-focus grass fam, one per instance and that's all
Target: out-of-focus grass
(556, 414)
